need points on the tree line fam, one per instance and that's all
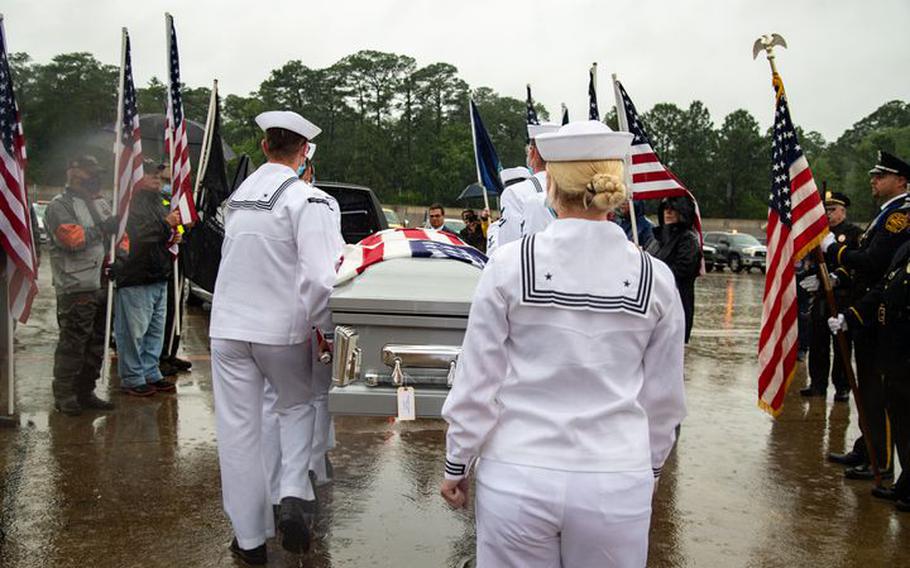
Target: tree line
(404, 130)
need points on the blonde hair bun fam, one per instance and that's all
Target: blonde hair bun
(605, 192)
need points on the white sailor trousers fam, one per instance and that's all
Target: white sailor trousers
(323, 431)
(529, 517)
(239, 372)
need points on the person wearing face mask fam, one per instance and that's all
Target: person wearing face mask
(79, 224)
(270, 319)
(524, 208)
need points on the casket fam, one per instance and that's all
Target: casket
(399, 323)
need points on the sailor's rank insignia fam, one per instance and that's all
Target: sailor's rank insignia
(897, 222)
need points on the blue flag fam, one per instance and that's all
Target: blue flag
(593, 112)
(532, 113)
(488, 165)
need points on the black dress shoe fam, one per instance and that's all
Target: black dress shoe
(181, 364)
(842, 396)
(886, 493)
(809, 391)
(863, 472)
(254, 556)
(903, 505)
(93, 402)
(851, 458)
(69, 406)
(167, 368)
(294, 522)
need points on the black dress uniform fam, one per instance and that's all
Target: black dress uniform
(820, 365)
(865, 267)
(887, 308)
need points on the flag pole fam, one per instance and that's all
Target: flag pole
(206, 140)
(118, 141)
(627, 169)
(767, 43)
(486, 201)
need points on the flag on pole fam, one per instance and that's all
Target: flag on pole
(565, 114)
(175, 138)
(128, 144)
(650, 178)
(486, 159)
(532, 113)
(796, 225)
(593, 112)
(15, 213)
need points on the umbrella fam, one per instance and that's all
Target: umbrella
(475, 190)
(152, 128)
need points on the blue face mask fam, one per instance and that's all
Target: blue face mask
(301, 169)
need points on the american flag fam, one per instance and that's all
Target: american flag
(406, 243)
(593, 112)
(650, 178)
(532, 113)
(175, 139)
(129, 144)
(15, 215)
(565, 114)
(796, 224)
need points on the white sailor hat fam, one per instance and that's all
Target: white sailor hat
(584, 140)
(288, 120)
(511, 174)
(311, 151)
(535, 130)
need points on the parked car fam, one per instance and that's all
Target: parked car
(739, 251)
(392, 218)
(39, 207)
(399, 323)
(456, 225)
(710, 255)
(361, 215)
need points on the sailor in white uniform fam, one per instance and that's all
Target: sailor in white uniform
(518, 199)
(570, 383)
(277, 272)
(324, 430)
(509, 177)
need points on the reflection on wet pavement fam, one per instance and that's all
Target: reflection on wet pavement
(140, 486)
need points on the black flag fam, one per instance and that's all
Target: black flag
(532, 114)
(200, 253)
(593, 113)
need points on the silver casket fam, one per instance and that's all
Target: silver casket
(399, 323)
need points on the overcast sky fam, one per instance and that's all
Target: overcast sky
(845, 58)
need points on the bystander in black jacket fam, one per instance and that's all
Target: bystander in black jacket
(678, 246)
(474, 238)
(146, 258)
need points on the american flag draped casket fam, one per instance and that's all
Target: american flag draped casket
(400, 308)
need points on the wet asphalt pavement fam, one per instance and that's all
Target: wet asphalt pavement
(140, 486)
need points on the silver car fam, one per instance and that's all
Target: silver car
(399, 323)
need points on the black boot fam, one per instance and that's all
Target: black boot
(69, 406)
(91, 401)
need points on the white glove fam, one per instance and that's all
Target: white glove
(809, 283)
(836, 324)
(827, 242)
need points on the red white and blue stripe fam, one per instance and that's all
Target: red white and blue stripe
(406, 243)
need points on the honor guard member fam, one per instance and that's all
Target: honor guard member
(323, 432)
(820, 365)
(865, 266)
(277, 271)
(571, 411)
(518, 200)
(509, 177)
(887, 308)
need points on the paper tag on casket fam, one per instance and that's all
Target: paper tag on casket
(407, 409)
